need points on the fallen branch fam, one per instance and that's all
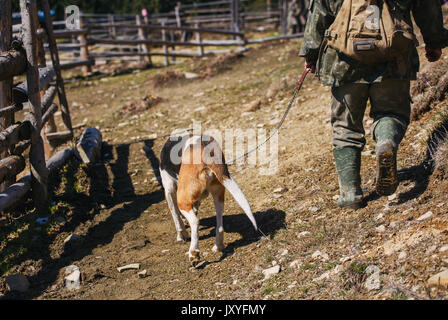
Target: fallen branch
(89, 147)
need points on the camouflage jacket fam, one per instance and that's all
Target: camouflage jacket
(336, 69)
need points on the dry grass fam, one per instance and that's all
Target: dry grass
(429, 89)
(438, 145)
(204, 68)
(216, 64)
(354, 276)
(166, 78)
(441, 162)
(139, 106)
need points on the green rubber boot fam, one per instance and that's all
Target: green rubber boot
(388, 135)
(348, 166)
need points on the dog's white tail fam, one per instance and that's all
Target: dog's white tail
(239, 196)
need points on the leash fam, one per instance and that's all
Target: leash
(296, 91)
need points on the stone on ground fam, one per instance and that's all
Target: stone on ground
(134, 266)
(440, 279)
(373, 281)
(268, 273)
(73, 280)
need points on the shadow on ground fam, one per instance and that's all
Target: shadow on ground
(269, 222)
(85, 207)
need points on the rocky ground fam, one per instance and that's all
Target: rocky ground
(113, 214)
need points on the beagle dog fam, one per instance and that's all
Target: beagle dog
(192, 167)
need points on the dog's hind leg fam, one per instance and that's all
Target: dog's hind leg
(170, 186)
(193, 221)
(217, 192)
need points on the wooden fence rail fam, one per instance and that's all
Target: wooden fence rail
(12, 63)
(166, 28)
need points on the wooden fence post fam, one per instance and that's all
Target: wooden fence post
(51, 127)
(145, 48)
(173, 47)
(235, 15)
(42, 63)
(84, 50)
(54, 53)
(112, 30)
(6, 85)
(284, 17)
(177, 12)
(243, 20)
(165, 47)
(199, 41)
(39, 170)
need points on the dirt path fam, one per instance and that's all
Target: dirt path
(122, 218)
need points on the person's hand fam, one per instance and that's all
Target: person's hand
(433, 55)
(311, 66)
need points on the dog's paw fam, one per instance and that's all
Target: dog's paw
(217, 248)
(194, 257)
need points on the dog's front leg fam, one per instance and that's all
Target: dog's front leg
(193, 221)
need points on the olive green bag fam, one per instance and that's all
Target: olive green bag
(371, 31)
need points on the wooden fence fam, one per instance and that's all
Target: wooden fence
(181, 33)
(18, 56)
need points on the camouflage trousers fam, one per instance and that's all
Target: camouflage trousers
(389, 98)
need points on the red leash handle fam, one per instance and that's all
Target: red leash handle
(302, 78)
